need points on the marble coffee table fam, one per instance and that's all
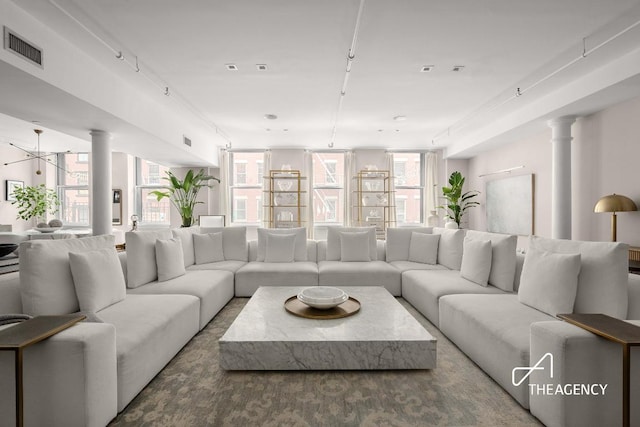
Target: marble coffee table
(382, 335)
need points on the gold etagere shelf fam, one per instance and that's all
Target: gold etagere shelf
(372, 201)
(285, 204)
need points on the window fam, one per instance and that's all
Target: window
(328, 201)
(409, 183)
(245, 182)
(73, 189)
(150, 211)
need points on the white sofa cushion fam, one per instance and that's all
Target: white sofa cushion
(398, 241)
(97, 278)
(603, 281)
(255, 274)
(450, 247)
(208, 248)
(423, 248)
(352, 244)
(333, 242)
(234, 241)
(46, 283)
(476, 261)
(141, 256)
(372, 273)
(185, 234)
(503, 258)
(300, 243)
(281, 248)
(169, 258)
(549, 281)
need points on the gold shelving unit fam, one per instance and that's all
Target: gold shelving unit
(285, 205)
(373, 200)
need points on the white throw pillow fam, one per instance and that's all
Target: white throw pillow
(503, 259)
(141, 256)
(234, 242)
(399, 239)
(170, 259)
(353, 246)
(603, 281)
(46, 283)
(549, 281)
(280, 247)
(186, 237)
(333, 242)
(450, 247)
(208, 248)
(300, 253)
(423, 248)
(98, 278)
(476, 261)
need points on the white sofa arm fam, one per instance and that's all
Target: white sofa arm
(579, 357)
(633, 310)
(69, 379)
(10, 299)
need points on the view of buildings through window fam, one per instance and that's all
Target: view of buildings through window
(328, 201)
(149, 176)
(246, 181)
(73, 188)
(409, 182)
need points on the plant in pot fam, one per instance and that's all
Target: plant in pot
(457, 201)
(35, 202)
(183, 193)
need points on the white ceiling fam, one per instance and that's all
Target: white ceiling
(503, 45)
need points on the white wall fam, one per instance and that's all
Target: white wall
(22, 171)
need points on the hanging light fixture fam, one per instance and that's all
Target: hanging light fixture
(38, 156)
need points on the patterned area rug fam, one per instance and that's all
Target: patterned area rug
(192, 390)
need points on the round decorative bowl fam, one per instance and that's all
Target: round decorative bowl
(47, 229)
(7, 248)
(323, 297)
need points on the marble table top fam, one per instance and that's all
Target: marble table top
(382, 335)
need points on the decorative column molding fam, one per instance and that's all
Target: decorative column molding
(101, 182)
(561, 177)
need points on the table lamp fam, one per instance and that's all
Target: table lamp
(615, 203)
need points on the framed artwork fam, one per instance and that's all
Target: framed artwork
(10, 186)
(116, 211)
(509, 205)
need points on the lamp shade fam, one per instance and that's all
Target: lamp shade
(615, 203)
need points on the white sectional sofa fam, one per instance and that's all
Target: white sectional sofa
(468, 284)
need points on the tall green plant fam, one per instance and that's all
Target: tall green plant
(183, 193)
(35, 202)
(457, 202)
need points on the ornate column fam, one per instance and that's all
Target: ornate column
(101, 182)
(561, 177)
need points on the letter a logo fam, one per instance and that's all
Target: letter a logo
(529, 370)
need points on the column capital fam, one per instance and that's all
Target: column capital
(561, 128)
(100, 133)
(560, 121)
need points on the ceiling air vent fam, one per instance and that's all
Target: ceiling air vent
(186, 141)
(19, 46)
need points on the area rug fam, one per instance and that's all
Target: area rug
(192, 390)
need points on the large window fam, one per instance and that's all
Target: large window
(150, 211)
(73, 189)
(328, 201)
(246, 179)
(409, 182)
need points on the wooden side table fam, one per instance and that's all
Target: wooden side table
(27, 333)
(615, 330)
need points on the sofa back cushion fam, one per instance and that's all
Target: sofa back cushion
(185, 234)
(300, 246)
(450, 247)
(333, 241)
(603, 281)
(281, 247)
(141, 256)
(208, 248)
(423, 248)
(234, 242)
(46, 283)
(476, 261)
(399, 240)
(97, 278)
(503, 257)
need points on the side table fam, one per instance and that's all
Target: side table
(615, 330)
(22, 335)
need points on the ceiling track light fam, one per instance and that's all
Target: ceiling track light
(120, 56)
(166, 91)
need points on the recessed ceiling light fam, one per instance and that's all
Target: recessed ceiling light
(270, 116)
(231, 67)
(268, 130)
(426, 68)
(457, 68)
(380, 130)
(285, 130)
(400, 118)
(261, 67)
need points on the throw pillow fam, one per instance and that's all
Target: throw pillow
(423, 248)
(280, 247)
(170, 259)
(450, 247)
(98, 278)
(353, 246)
(234, 242)
(186, 237)
(476, 261)
(399, 239)
(208, 248)
(300, 253)
(141, 256)
(503, 259)
(549, 281)
(333, 242)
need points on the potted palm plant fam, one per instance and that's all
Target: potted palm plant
(183, 193)
(457, 201)
(35, 202)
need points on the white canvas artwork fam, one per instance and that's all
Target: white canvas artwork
(509, 205)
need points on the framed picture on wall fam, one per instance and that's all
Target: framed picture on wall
(10, 187)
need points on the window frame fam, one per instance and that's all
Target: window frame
(419, 187)
(62, 187)
(139, 187)
(234, 186)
